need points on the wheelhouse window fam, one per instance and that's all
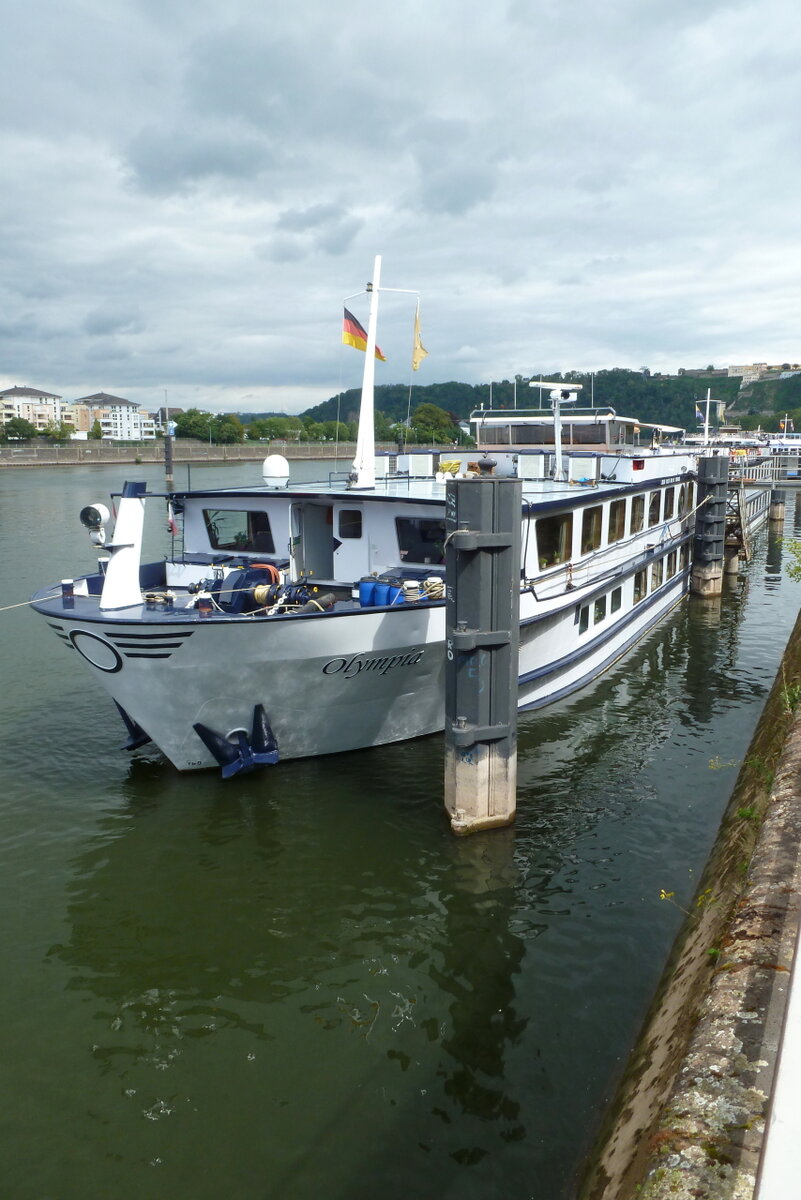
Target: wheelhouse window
(350, 523)
(617, 520)
(654, 505)
(421, 540)
(236, 529)
(554, 539)
(637, 513)
(591, 528)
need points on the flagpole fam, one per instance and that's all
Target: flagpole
(706, 421)
(363, 472)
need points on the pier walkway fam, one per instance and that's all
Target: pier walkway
(779, 1173)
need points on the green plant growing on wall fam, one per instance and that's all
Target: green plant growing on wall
(793, 547)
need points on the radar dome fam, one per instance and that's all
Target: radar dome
(275, 470)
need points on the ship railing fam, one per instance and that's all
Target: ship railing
(608, 561)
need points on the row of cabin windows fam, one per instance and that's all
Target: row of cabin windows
(649, 578)
(610, 602)
(555, 534)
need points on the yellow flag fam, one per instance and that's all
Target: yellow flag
(418, 349)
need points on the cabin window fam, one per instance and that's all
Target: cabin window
(421, 540)
(671, 564)
(617, 520)
(554, 539)
(350, 523)
(637, 513)
(640, 585)
(657, 570)
(690, 495)
(653, 508)
(599, 610)
(670, 499)
(591, 528)
(685, 557)
(234, 529)
(584, 618)
(616, 599)
(682, 500)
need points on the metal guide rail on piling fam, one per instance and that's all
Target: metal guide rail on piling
(482, 563)
(710, 527)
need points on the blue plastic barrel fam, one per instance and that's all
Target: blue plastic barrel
(367, 593)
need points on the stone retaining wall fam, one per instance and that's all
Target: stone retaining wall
(689, 1117)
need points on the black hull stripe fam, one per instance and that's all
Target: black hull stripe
(144, 654)
(138, 646)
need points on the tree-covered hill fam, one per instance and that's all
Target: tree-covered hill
(664, 400)
(765, 403)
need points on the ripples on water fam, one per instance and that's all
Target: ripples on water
(300, 984)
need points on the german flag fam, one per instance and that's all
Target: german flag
(354, 334)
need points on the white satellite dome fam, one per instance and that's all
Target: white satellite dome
(275, 471)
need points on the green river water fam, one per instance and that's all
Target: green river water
(299, 984)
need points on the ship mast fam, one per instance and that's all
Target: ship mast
(363, 473)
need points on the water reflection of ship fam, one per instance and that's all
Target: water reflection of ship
(671, 678)
(229, 947)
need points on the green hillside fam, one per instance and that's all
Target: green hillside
(668, 401)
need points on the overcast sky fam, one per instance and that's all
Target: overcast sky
(192, 187)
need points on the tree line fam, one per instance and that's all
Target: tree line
(432, 413)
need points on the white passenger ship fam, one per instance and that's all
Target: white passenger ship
(306, 620)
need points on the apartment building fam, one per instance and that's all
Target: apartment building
(40, 408)
(120, 420)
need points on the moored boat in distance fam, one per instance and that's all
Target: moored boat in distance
(291, 621)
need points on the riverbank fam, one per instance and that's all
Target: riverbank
(185, 450)
(689, 1118)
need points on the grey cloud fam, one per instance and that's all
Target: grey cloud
(111, 320)
(455, 187)
(165, 159)
(457, 165)
(327, 228)
(283, 249)
(299, 220)
(338, 237)
(279, 81)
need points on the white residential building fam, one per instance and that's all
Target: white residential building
(120, 420)
(40, 408)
